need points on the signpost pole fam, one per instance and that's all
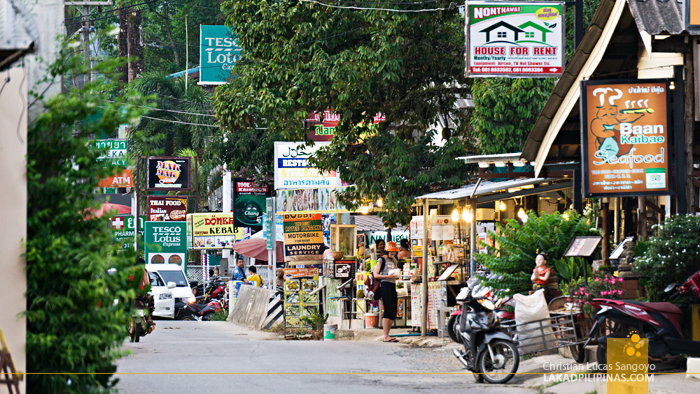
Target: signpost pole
(424, 274)
(226, 208)
(136, 207)
(679, 140)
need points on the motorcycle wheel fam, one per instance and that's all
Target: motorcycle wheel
(578, 353)
(137, 331)
(187, 318)
(507, 359)
(601, 354)
(452, 329)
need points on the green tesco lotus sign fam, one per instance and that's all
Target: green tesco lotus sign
(166, 242)
(218, 53)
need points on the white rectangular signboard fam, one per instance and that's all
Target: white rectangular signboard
(292, 170)
(515, 39)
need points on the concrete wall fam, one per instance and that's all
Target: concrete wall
(13, 211)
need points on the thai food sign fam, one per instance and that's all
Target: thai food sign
(515, 39)
(166, 209)
(625, 137)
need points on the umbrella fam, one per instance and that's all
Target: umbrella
(106, 207)
(257, 249)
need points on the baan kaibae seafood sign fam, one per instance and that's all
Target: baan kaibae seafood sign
(168, 173)
(625, 137)
(515, 39)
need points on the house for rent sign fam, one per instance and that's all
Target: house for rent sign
(518, 39)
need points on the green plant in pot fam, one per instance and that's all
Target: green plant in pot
(316, 322)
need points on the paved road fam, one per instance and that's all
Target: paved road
(173, 358)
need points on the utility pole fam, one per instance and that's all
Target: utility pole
(86, 29)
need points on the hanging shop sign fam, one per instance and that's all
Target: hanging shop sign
(168, 173)
(122, 179)
(322, 126)
(213, 230)
(625, 137)
(303, 237)
(310, 201)
(299, 297)
(116, 152)
(166, 209)
(218, 53)
(123, 229)
(292, 170)
(515, 39)
(166, 243)
(249, 203)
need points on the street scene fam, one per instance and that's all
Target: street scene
(330, 196)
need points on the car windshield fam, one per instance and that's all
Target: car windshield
(174, 276)
(155, 279)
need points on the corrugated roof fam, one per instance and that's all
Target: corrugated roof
(373, 223)
(659, 16)
(485, 187)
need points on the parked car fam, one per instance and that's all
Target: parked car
(168, 285)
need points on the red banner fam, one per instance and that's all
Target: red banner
(125, 179)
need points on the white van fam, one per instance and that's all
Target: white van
(168, 284)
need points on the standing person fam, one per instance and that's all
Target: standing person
(405, 252)
(385, 272)
(254, 277)
(279, 286)
(379, 243)
(238, 272)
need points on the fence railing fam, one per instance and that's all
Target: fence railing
(195, 272)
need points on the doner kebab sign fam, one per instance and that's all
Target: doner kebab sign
(515, 39)
(625, 141)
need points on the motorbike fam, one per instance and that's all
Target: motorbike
(659, 322)
(453, 324)
(488, 352)
(140, 325)
(214, 290)
(191, 311)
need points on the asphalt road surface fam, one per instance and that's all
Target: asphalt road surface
(194, 357)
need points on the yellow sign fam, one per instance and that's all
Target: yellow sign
(213, 230)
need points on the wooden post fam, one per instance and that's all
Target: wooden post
(616, 221)
(604, 212)
(642, 218)
(689, 120)
(679, 135)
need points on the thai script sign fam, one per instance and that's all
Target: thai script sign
(218, 53)
(168, 173)
(518, 39)
(303, 237)
(116, 153)
(292, 170)
(625, 147)
(165, 209)
(213, 230)
(123, 228)
(324, 130)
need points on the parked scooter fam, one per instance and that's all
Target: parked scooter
(659, 322)
(190, 311)
(140, 325)
(488, 352)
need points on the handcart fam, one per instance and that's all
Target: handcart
(566, 327)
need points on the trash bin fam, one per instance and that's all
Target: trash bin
(371, 320)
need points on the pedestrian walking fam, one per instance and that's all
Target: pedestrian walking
(386, 272)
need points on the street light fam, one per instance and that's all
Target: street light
(364, 210)
(502, 206)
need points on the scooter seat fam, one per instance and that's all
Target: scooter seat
(664, 307)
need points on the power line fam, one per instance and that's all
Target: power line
(176, 121)
(377, 9)
(171, 110)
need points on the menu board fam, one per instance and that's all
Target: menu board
(303, 237)
(299, 284)
(434, 301)
(213, 230)
(166, 209)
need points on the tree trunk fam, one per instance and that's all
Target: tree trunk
(135, 45)
(168, 32)
(123, 47)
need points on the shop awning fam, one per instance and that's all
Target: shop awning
(504, 190)
(373, 223)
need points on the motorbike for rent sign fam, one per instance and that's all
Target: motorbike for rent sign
(213, 230)
(515, 39)
(625, 137)
(166, 243)
(166, 209)
(303, 237)
(218, 53)
(249, 203)
(168, 174)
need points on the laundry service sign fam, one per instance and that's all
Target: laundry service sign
(519, 39)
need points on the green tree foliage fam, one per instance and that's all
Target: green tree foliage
(505, 109)
(672, 255)
(299, 58)
(519, 244)
(77, 312)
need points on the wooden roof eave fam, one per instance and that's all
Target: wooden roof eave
(567, 91)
